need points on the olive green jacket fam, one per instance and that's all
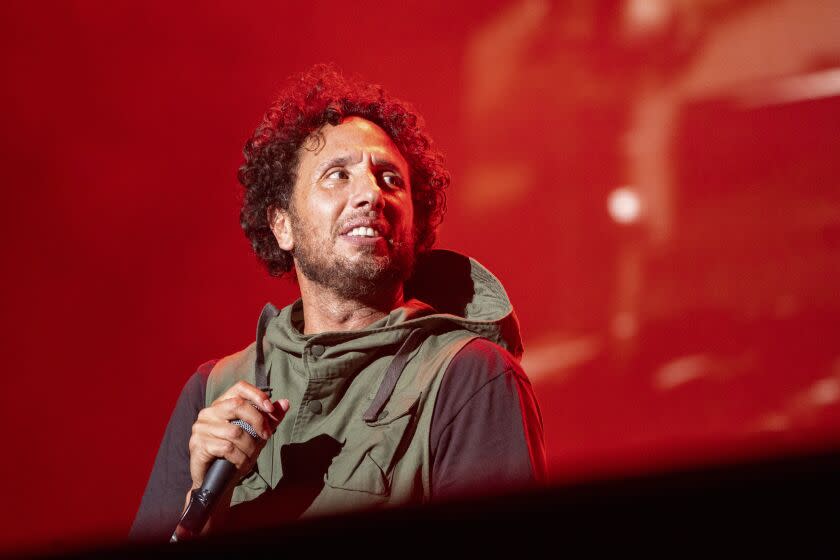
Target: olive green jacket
(357, 432)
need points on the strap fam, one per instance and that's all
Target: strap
(269, 312)
(395, 369)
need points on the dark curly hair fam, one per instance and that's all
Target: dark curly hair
(320, 96)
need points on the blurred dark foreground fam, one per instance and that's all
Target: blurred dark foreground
(758, 502)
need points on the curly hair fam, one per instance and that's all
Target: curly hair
(313, 99)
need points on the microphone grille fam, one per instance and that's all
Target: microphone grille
(247, 427)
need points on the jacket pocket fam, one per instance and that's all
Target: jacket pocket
(248, 488)
(367, 459)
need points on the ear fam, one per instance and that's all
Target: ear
(281, 227)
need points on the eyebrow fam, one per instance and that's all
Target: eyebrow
(386, 164)
(346, 159)
(338, 161)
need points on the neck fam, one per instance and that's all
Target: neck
(325, 310)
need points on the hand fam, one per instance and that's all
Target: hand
(213, 436)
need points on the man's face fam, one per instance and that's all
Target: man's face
(351, 214)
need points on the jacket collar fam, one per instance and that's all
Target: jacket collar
(447, 291)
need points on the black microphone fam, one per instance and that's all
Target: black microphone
(203, 500)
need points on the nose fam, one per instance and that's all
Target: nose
(367, 193)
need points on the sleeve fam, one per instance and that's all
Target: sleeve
(163, 499)
(487, 431)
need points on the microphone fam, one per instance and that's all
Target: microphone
(203, 500)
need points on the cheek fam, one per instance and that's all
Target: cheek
(406, 215)
(325, 214)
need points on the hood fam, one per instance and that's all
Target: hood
(447, 291)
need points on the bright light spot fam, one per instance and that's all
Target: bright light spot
(774, 422)
(648, 14)
(556, 356)
(816, 85)
(825, 392)
(624, 205)
(624, 326)
(680, 371)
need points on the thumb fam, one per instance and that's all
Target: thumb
(279, 410)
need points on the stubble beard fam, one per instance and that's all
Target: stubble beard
(370, 279)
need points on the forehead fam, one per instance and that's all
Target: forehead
(353, 138)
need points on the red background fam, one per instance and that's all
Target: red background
(125, 267)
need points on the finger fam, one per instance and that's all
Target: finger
(232, 409)
(236, 434)
(212, 448)
(279, 410)
(244, 390)
(237, 408)
(222, 413)
(208, 449)
(260, 421)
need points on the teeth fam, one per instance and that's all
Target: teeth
(363, 232)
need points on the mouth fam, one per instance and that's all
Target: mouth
(365, 232)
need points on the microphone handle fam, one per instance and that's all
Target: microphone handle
(203, 500)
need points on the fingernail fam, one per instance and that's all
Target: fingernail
(284, 404)
(266, 404)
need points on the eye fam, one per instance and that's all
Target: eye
(393, 179)
(338, 175)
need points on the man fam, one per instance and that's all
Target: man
(396, 373)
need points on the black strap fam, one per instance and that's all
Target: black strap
(269, 312)
(395, 369)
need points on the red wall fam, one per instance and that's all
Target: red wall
(124, 266)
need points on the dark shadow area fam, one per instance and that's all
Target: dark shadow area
(442, 279)
(304, 467)
(745, 500)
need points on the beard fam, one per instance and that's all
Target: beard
(368, 278)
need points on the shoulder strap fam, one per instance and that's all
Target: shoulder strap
(392, 375)
(269, 312)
